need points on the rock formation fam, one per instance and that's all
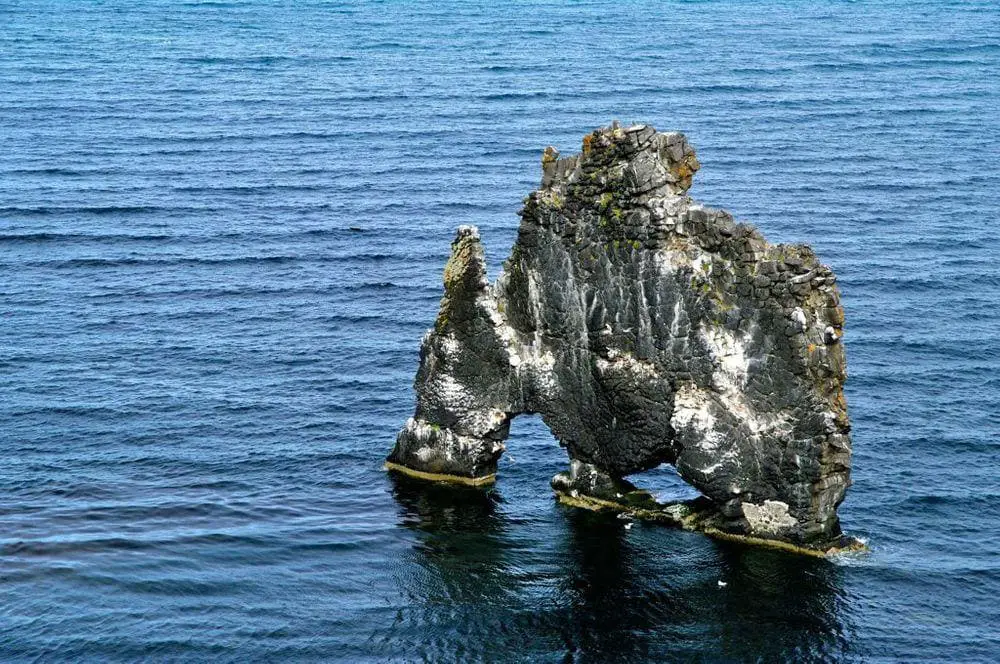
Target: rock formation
(645, 328)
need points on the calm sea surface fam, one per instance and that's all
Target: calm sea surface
(202, 365)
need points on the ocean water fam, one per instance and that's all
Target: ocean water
(202, 364)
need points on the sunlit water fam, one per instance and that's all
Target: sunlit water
(202, 365)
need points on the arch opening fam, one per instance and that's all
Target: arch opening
(533, 454)
(665, 484)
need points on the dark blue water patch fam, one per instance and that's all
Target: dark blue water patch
(64, 172)
(114, 210)
(153, 262)
(28, 238)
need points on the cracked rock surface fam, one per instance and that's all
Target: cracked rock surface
(645, 328)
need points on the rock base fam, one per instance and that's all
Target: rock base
(485, 480)
(698, 515)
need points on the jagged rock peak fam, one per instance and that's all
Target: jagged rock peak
(645, 328)
(636, 160)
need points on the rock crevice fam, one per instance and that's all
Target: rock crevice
(645, 328)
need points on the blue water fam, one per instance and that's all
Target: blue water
(202, 366)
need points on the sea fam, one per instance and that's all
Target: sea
(222, 232)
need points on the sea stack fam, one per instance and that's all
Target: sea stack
(645, 328)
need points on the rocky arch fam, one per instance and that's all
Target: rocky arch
(644, 328)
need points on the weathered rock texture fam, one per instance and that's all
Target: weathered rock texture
(645, 328)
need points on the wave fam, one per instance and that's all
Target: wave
(143, 262)
(97, 210)
(70, 237)
(70, 172)
(253, 236)
(986, 501)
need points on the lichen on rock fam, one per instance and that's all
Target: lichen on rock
(645, 328)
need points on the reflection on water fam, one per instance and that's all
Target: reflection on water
(441, 509)
(580, 587)
(462, 546)
(782, 603)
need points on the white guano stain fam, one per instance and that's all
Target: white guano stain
(693, 406)
(730, 352)
(770, 517)
(692, 411)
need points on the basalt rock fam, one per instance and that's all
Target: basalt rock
(645, 328)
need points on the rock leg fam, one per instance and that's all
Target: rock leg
(586, 484)
(431, 452)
